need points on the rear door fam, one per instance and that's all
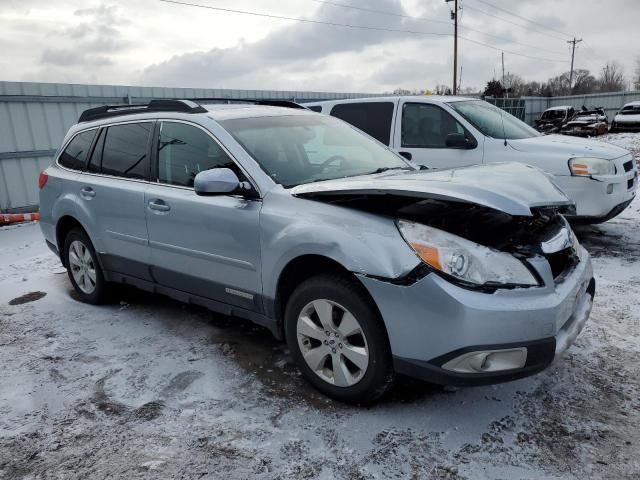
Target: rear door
(111, 196)
(207, 246)
(423, 134)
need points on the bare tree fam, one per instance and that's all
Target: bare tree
(612, 78)
(584, 82)
(636, 80)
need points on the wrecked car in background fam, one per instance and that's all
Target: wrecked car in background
(367, 266)
(587, 123)
(627, 119)
(553, 119)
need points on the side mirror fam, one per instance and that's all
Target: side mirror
(458, 140)
(219, 181)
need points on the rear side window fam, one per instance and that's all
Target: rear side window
(75, 155)
(184, 151)
(373, 118)
(125, 150)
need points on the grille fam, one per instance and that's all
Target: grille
(628, 165)
(561, 262)
(630, 184)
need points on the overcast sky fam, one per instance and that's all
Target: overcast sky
(148, 42)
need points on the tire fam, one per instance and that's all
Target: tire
(368, 372)
(84, 269)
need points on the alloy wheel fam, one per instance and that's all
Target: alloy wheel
(332, 343)
(82, 266)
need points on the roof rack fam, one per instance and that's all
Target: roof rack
(173, 105)
(164, 105)
(254, 101)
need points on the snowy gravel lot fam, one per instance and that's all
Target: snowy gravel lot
(150, 388)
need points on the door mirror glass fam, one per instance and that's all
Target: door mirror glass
(457, 140)
(219, 181)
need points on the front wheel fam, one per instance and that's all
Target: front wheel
(338, 339)
(83, 268)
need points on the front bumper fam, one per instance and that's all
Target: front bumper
(432, 322)
(596, 198)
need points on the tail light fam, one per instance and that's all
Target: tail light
(42, 179)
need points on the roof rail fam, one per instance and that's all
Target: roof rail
(162, 105)
(254, 101)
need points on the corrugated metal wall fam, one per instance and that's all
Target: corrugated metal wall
(34, 118)
(611, 102)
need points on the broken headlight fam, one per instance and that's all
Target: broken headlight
(587, 166)
(464, 260)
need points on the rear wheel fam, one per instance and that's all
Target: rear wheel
(83, 268)
(338, 340)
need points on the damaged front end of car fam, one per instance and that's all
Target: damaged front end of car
(474, 226)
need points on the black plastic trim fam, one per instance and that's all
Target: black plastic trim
(162, 105)
(540, 354)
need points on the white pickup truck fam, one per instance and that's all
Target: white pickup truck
(447, 132)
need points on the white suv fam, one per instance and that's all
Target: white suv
(446, 132)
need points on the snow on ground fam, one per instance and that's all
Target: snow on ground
(150, 388)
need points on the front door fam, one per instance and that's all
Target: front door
(423, 134)
(207, 246)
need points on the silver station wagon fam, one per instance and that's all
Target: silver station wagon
(367, 266)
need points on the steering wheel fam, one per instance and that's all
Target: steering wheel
(330, 160)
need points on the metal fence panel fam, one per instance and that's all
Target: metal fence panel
(34, 118)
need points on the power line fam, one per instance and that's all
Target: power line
(423, 19)
(553, 60)
(523, 18)
(362, 27)
(306, 20)
(513, 23)
(382, 12)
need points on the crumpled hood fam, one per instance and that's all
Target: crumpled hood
(513, 188)
(562, 145)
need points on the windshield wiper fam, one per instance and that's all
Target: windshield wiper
(386, 169)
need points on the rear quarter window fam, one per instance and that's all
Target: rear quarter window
(75, 155)
(315, 108)
(373, 118)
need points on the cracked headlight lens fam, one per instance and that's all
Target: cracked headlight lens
(464, 260)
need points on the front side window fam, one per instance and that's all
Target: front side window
(75, 155)
(373, 118)
(184, 151)
(427, 126)
(125, 150)
(297, 149)
(492, 121)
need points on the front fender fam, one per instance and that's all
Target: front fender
(361, 242)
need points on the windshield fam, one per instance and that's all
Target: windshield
(492, 121)
(553, 114)
(299, 149)
(631, 110)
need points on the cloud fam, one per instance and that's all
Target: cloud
(284, 50)
(65, 57)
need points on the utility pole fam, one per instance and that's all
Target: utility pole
(454, 17)
(503, 86)
(573, 53)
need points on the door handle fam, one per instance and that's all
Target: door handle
(159, 205)
(406, 155)
(87, 192)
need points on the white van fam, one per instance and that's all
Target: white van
(447, 132)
